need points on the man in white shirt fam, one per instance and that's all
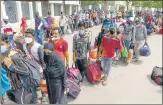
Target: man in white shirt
(7, 30)
(62, 24)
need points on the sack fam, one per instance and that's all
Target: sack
(74, 88)
(33, 78)
(145, 50)
(157, 75)
(93, 54)
(124, 53)
(91, 23)
(68, 31)
(75, 73)
(130, 55)
(93, 73)
(43, 87)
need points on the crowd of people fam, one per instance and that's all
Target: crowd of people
(27, 59)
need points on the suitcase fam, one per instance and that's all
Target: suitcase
(74, 88)
(93, 73)
(157, 75)
(75, 72)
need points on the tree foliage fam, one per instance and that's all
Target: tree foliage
(148, 3)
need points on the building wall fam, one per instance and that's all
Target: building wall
(16, 9)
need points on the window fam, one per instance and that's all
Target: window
(25, 9)
(57, 9)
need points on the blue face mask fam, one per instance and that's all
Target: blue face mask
(81, 32)
(3, 49)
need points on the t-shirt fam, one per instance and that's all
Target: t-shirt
(61, 47)
(7, 29)
(110, 44)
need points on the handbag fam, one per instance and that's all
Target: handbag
(43, 87)
(124, 53)
(145, 50)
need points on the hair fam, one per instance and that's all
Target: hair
(49, 13)
(112, 31)
(5, 38)
(30, 31)
(118, 32)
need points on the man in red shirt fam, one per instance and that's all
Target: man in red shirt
(61, 46)
(108, 45)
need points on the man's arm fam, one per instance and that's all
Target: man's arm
(41, 57)
(74, 48)
(145, 33)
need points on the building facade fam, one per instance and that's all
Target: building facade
(15, 10)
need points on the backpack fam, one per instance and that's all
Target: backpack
(94, 15)
(30, 78)
(157, 75)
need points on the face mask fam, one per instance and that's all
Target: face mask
(82, 32)
(28, 40)
(3, 49)
(55, 38)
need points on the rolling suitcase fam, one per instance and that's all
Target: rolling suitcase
(93, 73)
(74, 88)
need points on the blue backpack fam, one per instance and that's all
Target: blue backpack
(145, 50)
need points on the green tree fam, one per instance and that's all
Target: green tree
(148, 3)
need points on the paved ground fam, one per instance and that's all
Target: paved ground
(129, 84)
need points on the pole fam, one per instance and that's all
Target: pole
(64, 7)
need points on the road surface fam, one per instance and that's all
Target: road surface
(128, 84)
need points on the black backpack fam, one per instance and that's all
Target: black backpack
(29, 78)
(157, 75)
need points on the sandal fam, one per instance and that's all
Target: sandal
(104, 83)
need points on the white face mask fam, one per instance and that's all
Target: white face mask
(55, 38)
(28, 40)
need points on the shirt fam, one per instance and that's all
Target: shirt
(38, 21)
(109, 45)
(7, 29)
(61, 47)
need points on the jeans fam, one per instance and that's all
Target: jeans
(34, 95)
(137, 47)
(62, 30)
(11, 40)
(39, 36)
(71, 27)
(106, 66)
(127, 44)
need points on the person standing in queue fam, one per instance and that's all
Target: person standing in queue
(61, 46)
(55, 74)
(81, 47)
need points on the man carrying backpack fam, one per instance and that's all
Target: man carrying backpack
(81, 47)
(35, 51)
(17, 71)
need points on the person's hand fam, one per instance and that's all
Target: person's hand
(66, 91)
(74, 58)
(8, 62)
(116, 58)
(67, 64)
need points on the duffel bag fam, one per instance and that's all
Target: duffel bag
(157, 75)
(145, 50)
(93, 73)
